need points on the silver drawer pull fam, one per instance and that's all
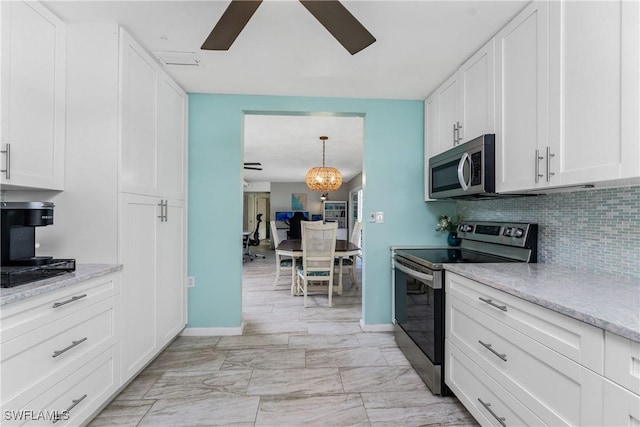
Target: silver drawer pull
(74, 403)
(72, 299)
(493, 304)
(487, 406)
(488, 347)
(73, 344)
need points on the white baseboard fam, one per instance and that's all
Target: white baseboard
(212, 332)
(380, 327)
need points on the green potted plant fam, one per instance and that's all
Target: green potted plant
(447, 223)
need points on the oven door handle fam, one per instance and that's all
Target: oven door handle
(427, 278)
(463, 160)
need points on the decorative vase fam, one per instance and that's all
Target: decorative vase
(452, 239)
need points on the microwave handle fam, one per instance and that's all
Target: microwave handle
(463, 159)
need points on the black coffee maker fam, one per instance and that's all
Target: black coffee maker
(19, 222)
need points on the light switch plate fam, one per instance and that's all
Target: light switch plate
(380, 217)
(372, 217)
(191, 281)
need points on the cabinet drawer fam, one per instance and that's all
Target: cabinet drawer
(35, 359)
(472, 386)
(555, 388)
(622, 361)
(621, 407)
(576, 340)
(21, 317)
(75, 398)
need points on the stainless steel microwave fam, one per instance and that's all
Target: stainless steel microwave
(464, 171)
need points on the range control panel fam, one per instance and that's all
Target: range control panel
(504, 233)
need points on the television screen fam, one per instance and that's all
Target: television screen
(316, 217)
(286, 215)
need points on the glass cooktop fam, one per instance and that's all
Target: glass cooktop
(434, 258)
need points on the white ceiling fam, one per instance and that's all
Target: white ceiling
(284, 51)
(287, 146)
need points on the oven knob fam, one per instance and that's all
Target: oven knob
(508, 231)
(518, 232)
(466, 228)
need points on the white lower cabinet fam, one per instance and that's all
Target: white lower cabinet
(152, 252)
(60, 354)
(501, 349)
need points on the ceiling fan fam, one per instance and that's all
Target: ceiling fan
(256, 166)
(330, 13)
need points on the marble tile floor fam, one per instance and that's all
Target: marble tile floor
(291, 367)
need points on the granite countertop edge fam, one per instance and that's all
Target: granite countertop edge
(614, 307)
(82, 273)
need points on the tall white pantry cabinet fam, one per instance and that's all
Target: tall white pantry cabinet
(127, 154)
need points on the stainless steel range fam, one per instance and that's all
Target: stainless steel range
(419, 287)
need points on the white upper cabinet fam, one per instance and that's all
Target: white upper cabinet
(172, 117)
(593, 105)
(152, 134)
(462, 108)
(448, 114)
(521, 100)
(33, 96)
(138, 142)
(568, 95)
(476, 87)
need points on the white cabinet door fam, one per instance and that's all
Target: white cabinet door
(448, 114)
(172, 105)
(586, 89)
(138, 243)
(33, 96)
(521, 99)
(477, 94)
(138, 143)
(170, 292)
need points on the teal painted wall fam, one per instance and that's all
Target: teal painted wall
(392, 181)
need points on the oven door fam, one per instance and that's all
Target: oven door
(419, 307)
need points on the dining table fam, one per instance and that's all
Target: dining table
(293, 248)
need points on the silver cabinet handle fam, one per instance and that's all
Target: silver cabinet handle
(538, 158)
(74, 403)
(459, 126)
(549, 156)
(73, 344)
(72, 299)
(493, 304)
(162, 216)
(7, 170)
(488, 347)
(487, 406)
(455, 138)
(166, 211)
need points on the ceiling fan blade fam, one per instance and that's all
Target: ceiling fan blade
(252, 168)
(230, 25)
(340, 23)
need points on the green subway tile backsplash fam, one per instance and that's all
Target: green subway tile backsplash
(597, 230)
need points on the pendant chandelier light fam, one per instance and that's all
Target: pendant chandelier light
(324, 178)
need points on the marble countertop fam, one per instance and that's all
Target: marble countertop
(607, 301)
(83, 272)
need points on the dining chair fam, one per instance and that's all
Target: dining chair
(318, 254)
(284, 260)
(350, 261)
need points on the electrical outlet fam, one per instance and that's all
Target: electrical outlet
(380, 217)
(372, 217)
(191, 281)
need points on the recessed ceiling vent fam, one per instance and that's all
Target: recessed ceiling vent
(179, 58)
